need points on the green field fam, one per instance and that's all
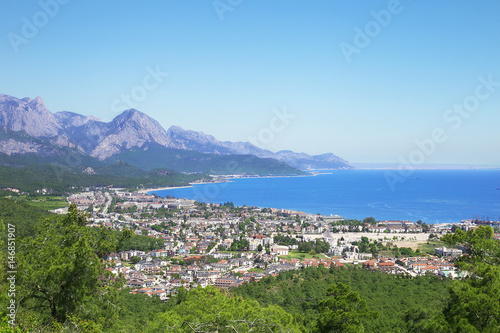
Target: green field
(428, 247)
(256, 270)
(296, 254)
(43, 202)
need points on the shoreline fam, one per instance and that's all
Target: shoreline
(147, 190)
(228, 180)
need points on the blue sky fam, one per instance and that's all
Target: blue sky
(365, 89)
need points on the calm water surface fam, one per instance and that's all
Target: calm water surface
(428, 195)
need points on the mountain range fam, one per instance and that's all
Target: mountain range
(28, 127)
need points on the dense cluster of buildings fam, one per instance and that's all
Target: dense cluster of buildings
(226, 246)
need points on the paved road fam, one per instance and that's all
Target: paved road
(108, 202)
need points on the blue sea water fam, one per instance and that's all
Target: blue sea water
(429, 195)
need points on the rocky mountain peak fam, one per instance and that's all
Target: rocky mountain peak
(31, 116)
(66, 118)
(131, 114)
(179, 133)
(37, 104)
(130, 129)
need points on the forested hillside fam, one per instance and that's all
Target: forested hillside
(26, 218)
(392, 297)
(22, 215)
(62, 179)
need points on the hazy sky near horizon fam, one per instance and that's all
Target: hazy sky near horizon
(370, 81)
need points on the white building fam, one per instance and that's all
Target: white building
(280, 250)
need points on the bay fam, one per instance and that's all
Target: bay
(443, 196)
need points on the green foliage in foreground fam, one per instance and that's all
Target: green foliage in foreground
(301, 293)
(141, 243)
(26, 217)
(22, 215)
(137, 311)
(343, 311)
(475, 302)
(61, 271)
(421, 304)
(210, 310)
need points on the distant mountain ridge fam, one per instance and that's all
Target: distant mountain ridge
(131, 129)
(205, 143)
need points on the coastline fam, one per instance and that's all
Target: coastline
(239, 177)
(228, 180)
(147, 190)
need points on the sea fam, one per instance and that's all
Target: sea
(432, 196)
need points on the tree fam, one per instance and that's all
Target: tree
(62, 272)
(135, 259)
(343, 311)
(305, 247)
(474, 302)
(419, 320)
(4, 300)
(210, 310)
(321, 246)
(259, 248)
(370, 220)
(157, 228)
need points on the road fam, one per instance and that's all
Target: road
(107, 203)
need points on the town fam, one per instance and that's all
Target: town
(226, 246)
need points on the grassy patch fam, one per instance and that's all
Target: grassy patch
(296, 254)
(256, 270)
(429, 246)
(44, 202)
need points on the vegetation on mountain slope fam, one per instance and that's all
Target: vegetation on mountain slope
(196, 162)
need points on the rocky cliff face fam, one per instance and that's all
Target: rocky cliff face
(87, 133)
(198, 141)
(131, 129)
(29, 115)
(12, 146)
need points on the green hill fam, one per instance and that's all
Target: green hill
(62, 179)
(22, 215)
(195, 162)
